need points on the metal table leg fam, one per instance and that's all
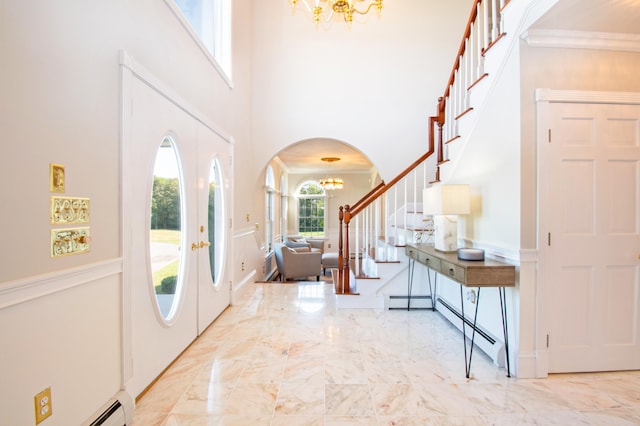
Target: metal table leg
(412, 265)
(467, 361)
(503, 309)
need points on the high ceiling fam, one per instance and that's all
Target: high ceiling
(606, 16)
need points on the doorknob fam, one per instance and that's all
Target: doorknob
(204, 244)
(194, 247)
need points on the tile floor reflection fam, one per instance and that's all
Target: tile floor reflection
(286, 356)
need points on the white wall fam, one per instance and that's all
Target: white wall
(373, 87)
(61, 318)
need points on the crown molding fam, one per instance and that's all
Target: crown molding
(582, 40)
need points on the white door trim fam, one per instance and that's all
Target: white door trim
(543, 98)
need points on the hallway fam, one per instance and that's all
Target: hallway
(286, 356)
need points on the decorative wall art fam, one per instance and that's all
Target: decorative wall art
(70, 241)
(56, 177)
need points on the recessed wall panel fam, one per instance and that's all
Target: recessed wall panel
(578, 197)
(579, 132)
(622, 132)
(623, 190)
(574, 292)
(622, 305)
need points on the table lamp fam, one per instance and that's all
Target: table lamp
(445, 203)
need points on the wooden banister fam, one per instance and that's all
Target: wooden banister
(347, 212)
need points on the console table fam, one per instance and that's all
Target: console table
(467, 273)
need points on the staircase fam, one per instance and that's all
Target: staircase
(375, 229)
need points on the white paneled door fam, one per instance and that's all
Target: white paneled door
(176, 208)
(590, 245)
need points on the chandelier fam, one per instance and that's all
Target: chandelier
(327, 8)
(330, 184)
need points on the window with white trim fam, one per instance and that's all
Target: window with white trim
(311, 211)
(210, 21)
(269, 208)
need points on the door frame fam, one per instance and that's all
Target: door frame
(130, 72)
(543, 99)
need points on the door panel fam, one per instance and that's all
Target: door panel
(214, 288)
(155, 340)
(593, 210)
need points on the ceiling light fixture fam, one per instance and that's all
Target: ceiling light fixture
(330, 184)
(327, 8)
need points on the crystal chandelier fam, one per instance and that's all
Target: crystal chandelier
(327, 8)
(330, 183)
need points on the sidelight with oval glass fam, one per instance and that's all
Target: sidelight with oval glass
(216, 220)
(166, 236)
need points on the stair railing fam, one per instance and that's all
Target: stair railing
(484, 29)
(372, 204)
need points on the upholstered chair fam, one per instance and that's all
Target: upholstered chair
(297, 241)
(297, 263)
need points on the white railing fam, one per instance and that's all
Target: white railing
(382, 223)
(485, 27)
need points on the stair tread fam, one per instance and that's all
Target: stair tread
(411, 228)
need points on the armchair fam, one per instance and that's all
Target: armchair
(297, 241)
(297, 263)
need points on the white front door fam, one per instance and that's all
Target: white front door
(214, 282)
(590, 246)
(172, 161)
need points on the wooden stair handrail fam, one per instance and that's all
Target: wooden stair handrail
(369, 194)
(349, 211)
(384, 187)
(461, 49)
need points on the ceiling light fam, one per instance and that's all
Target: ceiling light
(330, 184)
(325, 9)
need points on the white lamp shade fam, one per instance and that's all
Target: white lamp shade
(446, 199)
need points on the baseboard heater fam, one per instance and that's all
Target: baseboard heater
(484, 340)
(118, 411)
(416, 305)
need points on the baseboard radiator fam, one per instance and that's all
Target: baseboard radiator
(488, 343)
(118, 411)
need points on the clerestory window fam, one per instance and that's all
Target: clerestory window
(210, 22)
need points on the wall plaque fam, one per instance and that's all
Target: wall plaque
(68, 210)
(70, 241)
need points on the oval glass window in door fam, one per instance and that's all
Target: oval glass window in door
(216, 220)
(166, 236)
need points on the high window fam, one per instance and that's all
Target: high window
(311, 211)
(209, 21)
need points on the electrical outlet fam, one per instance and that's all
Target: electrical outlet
(43, 405)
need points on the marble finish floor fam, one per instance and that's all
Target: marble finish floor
(285, 355)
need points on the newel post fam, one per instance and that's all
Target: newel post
(440, 121)
(340, 288)
(345, 266)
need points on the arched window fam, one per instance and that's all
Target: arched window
(311, 211)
